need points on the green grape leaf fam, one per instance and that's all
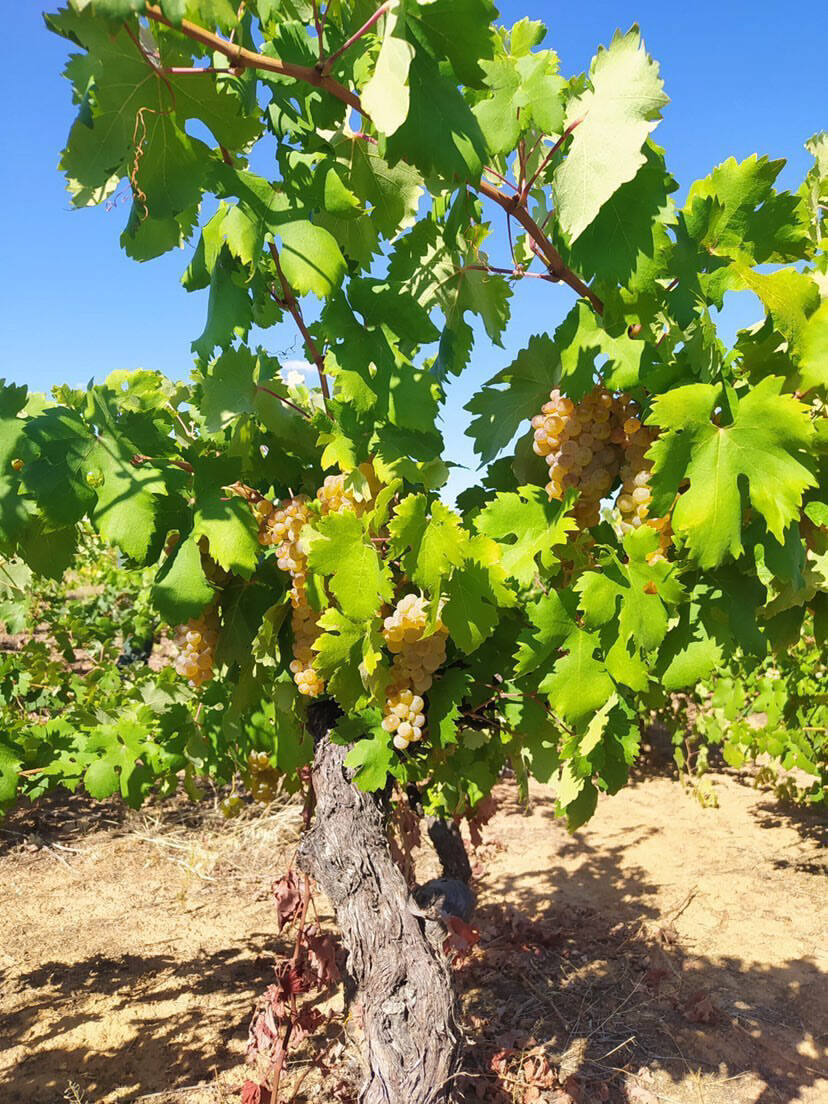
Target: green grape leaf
(371, 759)
(526, 92)
(788, 296)
(526, 525)
(763, 446)
(637, 593)
(386, 97)
(550, 623)
(813, 361)
(440, 136)
(428, 548)
(339, 653)
(747, 220)
(470, 613)
(228, 389)
(121, 765)
(310, 258)
(127, 506)
(578, 684)
(688, 654)
(224, 519)
(513, 395)
(615, 117)
(181, 590)
(625, 234)
(340, 550)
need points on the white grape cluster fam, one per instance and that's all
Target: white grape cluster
(416, 657)
(635, 497)
(281, 527)
(338, 496)
(581, 443)
(305, 624)
(196, 643)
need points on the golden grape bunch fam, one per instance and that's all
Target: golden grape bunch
(587, 446)
(581, 443)
(417, 654)
(196, 642)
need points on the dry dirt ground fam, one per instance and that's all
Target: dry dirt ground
(666, 952)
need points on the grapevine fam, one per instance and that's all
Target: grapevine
(682, 515)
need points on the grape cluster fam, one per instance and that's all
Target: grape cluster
(281, 527)
(304, 622)
(196, 643)
(635, 497)
(264, 780)
(582, 445)
(338, 496)
(404, 717)
(416, 657)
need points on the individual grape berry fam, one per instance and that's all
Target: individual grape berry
(196, 642)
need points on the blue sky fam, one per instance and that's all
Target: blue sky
(742, 77)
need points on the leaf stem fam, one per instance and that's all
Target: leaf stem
(524, 195)
(282, 399)
(249, 59)
(328, 63)
(554, 262)
(290, 301)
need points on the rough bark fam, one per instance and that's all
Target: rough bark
(406, 993)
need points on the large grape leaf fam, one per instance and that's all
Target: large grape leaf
(440, 136)
(470, 613)
(526, 525)
(223, 518)
(578, 684)
(127, 504)
(513, 395)
(789, 297)
(747, 220)
(764, 446)
(428, 548)
(615, 117)
(626, 233)
(340, 550)
(181, 590)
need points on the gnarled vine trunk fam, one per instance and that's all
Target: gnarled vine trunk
(405, 989)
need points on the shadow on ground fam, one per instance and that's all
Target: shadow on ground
(607, 995)
(615, 1003)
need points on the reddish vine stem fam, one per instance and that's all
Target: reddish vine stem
(139, 459)
(291, 303)
(355, 37)
(249, 59)
(282, 399)
(527, 188)
(548, 252)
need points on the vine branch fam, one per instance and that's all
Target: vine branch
(290, 301)
(243, 58)
(355, 37)
(249, 59)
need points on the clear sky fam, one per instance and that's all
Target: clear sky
(743, 77)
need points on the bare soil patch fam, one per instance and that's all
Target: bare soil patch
(666, 952)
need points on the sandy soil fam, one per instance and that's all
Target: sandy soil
(666, 952)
